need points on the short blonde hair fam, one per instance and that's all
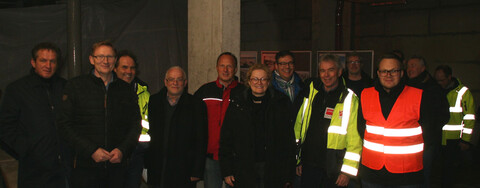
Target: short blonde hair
(258, 66)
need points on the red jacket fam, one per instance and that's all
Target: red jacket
(217, 99)
(396, 142)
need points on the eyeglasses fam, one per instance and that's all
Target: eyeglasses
(102, 57)
(393, 72)
(285, 63)
(171, 80)
(256, 80)
(354, 62)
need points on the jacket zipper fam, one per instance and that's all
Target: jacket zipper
(52, 107)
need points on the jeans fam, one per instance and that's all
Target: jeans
(133, 176)
(212, 177)
(366, 184)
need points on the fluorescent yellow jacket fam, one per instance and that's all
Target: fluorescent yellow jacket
(342, 131)
(143, 96)
(462, 114)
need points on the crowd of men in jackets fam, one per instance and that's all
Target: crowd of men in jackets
(339, 129)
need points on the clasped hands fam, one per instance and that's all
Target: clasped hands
(102, 155)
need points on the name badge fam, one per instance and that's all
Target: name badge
(328, 113)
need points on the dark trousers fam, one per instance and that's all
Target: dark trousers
(453, 158)
(260, 175)
(366, 184)
(110, 177)
(429, 155)
(133, 176)
(316, 177)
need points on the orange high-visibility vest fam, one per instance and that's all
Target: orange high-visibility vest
(396, 142)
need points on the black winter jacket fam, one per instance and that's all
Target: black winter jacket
(182, 154)
(27, 126)
(237, 141)
(92, 117)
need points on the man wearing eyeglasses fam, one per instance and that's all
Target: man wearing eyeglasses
(284, 78)
(326, 129)
(393, 144)
(178, 131)
(355, 78)
(100, 119)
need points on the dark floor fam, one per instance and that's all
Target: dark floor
(468, 174)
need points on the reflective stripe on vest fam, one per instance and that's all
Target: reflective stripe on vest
(352, 156)
(452, 127)
(396, 142)
(394, 132)
(467, 131)
(458, 101)
(469, 117)
(393, 149)
(458, 109)
(144, 137)
(347, 104)
(350, 170)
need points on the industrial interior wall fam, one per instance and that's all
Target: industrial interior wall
(155, 30)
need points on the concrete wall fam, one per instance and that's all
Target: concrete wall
(443, 31)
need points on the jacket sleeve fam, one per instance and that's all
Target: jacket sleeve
(201, 134)
(135, 127)
(11, 133)
(65, 122)
(353, 141)
(226, 152)
(468, 106)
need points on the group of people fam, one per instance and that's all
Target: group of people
(339, 129)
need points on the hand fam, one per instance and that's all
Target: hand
(101, 155)
(287, 185)
(299, 170)
(342, 180)
(463, 146)
(229, 180)
(194, 179)
(116, 156)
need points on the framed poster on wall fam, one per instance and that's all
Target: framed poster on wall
(366, 56)
(303, 61)
(247, 59)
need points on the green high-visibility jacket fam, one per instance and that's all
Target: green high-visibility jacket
(462, 114)
(342, 131)
(143, 96)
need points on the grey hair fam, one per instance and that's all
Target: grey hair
(331, 57)
(179, 68)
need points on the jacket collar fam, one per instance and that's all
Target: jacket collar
(232, 85)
